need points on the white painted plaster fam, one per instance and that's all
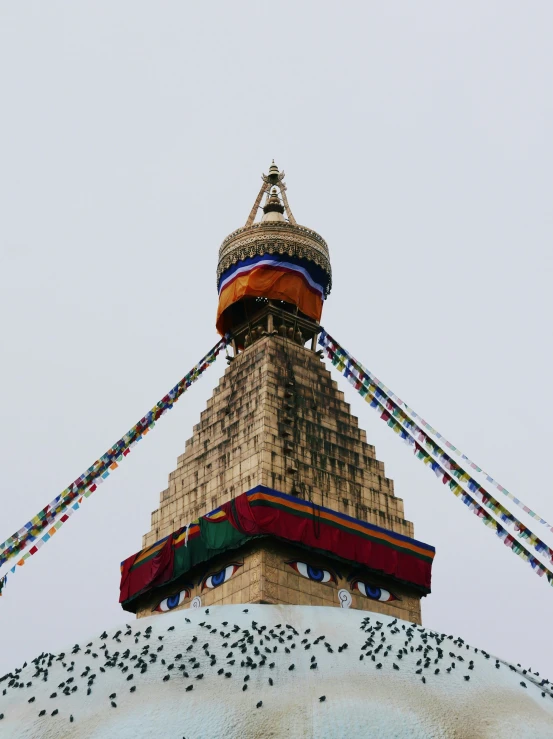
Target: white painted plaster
(361, 699)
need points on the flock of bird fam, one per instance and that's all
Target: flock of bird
(246, 655)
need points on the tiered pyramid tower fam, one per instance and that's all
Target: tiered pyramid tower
(278, 420)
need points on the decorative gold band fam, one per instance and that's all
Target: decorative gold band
(270, 238)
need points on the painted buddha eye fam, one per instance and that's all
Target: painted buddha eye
(173, 601)
(318, 574)
(218, 578)
(372, 591)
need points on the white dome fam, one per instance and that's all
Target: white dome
(363, 697)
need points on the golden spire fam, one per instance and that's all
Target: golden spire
(274, 178)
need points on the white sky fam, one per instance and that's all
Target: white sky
(416, 138)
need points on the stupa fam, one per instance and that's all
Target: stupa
(278, 592)
(278, 498)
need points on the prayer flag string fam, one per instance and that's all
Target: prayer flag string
(412, 434)
(367, 376)
(51, 518)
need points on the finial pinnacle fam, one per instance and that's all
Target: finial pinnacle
(273, 176)
(273, 209)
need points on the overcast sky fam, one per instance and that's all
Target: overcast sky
(416, 138)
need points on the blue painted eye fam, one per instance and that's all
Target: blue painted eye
(372, 591)
(315, 573)
(173, 601)
(318, 574)
(218, 578)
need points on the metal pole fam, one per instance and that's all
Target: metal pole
(253, 213)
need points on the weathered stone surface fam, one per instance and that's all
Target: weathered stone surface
(265, 573)
(278, 419)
